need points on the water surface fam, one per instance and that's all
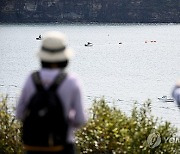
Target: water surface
(133, 70)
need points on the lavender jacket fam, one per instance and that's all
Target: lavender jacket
(176, 94)
(70, 93)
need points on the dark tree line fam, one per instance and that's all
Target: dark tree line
(118, 11)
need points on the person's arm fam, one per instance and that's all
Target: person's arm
(26, 93)
(77, 114)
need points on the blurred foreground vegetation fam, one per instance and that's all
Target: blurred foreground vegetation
(10, 140)
(108, 131)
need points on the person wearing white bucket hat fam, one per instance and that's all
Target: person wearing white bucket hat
(54, 48)
(54, 55)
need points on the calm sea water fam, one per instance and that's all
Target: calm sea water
(123, 73)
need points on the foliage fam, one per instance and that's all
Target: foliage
(10, 142)
(101, 11)
(110, 131)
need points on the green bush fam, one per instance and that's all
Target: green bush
(110, 131)
(10, 141)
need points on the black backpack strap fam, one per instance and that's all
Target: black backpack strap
(58, 81)
(37, 81)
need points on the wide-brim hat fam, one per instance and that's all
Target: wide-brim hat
(54, 48)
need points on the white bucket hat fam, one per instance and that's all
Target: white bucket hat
(54, 48)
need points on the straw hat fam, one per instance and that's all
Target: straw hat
(54, 48)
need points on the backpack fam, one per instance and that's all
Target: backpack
(45, 123)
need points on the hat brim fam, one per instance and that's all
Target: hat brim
(55, 57)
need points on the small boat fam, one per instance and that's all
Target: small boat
(39, 38)
(165, 99)
(89, 44)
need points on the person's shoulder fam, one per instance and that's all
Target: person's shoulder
(28, 82)
(29, 78)
(73, 78)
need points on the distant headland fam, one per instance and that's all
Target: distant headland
(103, 11)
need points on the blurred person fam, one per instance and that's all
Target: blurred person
(34, 103)
(176, 93)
